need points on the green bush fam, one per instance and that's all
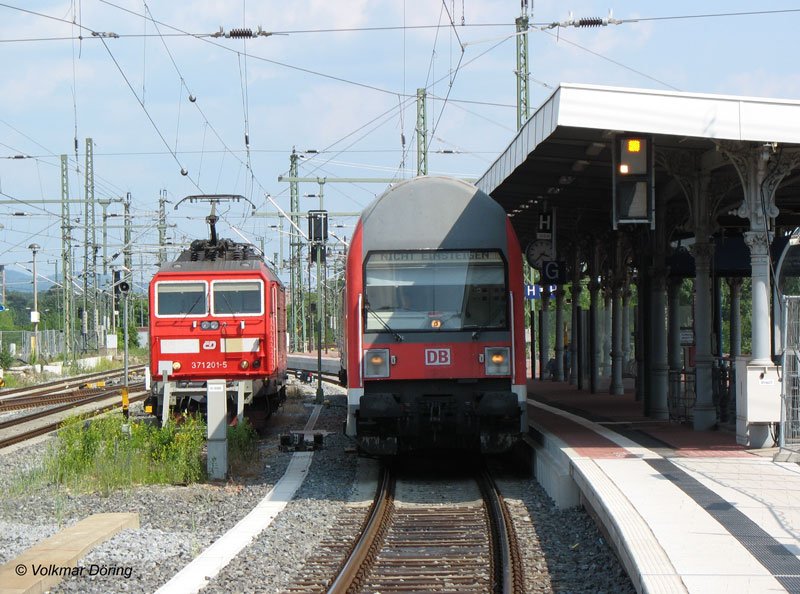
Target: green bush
(6, 358)
(107, 453)
(242, 442)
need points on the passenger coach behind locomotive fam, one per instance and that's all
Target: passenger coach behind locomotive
(218, 312)
(435, 351)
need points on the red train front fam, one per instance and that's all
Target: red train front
(218, 312)
(434, 322)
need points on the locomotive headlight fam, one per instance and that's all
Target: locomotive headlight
(376, 363)
(243, 364)
(209, 325)
(176, 366)
(497, 360)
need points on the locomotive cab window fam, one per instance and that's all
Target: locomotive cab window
(242, 297)
(435, 290)
(180, 299)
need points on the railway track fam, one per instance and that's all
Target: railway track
(423, 536)
(59, 391)
(13, 431)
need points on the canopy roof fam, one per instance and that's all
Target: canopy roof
(562, 155)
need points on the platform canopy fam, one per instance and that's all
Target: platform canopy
(562, 157)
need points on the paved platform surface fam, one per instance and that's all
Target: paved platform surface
(688, 511)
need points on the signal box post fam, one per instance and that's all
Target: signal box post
(217, 459)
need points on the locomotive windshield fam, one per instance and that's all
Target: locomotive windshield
(181, 299)
(237, 297)
(436, 290)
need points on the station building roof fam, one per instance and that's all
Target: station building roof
(562, 155)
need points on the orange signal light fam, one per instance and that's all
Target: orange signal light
(634, 145)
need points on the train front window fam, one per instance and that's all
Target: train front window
(181, 299)
(237, 298)
(435, 290)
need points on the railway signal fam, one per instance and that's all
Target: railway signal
(318, 235)
(633, 195)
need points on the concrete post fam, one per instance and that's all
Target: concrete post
(217, 458)
(164, 369)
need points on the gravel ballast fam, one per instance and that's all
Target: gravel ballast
(564, 552)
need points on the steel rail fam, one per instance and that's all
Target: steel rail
(64, 407)
(353, 569)
(11, 394)
(49, 428)
(507, 564)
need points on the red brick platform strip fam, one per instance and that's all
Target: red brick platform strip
(689, 443)
(584, 441)
(626, 409)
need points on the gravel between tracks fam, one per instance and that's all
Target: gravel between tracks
(178, 522)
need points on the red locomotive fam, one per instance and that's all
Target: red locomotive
(218, 312)
(434, 353)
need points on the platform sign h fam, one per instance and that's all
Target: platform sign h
(544, 227)
(535, 291)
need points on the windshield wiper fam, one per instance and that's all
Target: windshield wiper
(386, 326)
(190, 310)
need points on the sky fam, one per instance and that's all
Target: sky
(173, 110)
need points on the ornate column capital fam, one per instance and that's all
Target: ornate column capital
(761, 168)
(757, 242)
(703, 252)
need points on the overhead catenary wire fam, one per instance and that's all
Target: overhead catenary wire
(147, 113)
(323, 154)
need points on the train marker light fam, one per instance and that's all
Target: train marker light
(497, 360)
(376, 363)
(243, 364)
(436, 323)
(176, 366)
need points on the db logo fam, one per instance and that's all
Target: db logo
(437, 356)
(209, 345)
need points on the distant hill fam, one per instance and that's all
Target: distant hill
(18, 280)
